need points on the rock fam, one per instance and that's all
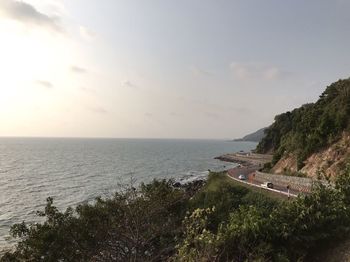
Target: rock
(177, 184)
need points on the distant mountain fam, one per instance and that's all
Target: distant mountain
(254, 137)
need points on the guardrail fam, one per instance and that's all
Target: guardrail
(301, 184)
(265, 188)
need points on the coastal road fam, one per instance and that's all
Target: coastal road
(249, 172)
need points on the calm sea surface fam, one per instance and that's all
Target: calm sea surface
(76, 170)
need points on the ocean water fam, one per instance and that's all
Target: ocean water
(76, 170)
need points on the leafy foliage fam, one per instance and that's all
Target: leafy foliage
(157, 222)
(307, 129)
(134, 225)
(291, 231)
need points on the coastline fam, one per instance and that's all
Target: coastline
(250, 165)
(248, 162)
(246, 159)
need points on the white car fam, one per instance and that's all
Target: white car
(242, 177)
(267, 185)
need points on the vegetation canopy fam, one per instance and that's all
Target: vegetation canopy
(307, 129)
(221, 221)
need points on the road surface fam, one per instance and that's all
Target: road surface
(249, 172)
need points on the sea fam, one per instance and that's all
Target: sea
(77, 170)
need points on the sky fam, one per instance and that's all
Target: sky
(164, 68)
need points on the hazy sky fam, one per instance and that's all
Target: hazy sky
(164, 69)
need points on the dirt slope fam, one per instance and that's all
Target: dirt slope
(330, 160)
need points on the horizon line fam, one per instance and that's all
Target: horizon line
(97, 137)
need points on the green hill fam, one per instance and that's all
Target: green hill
(311, 127)
(257, 136)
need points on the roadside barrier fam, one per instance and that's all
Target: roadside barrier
(301, 184)
(265, 188)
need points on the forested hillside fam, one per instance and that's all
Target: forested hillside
(311, 127)
(257, 136)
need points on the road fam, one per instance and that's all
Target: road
(247, 159)
(249, 172)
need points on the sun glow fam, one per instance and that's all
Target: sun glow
(29, 59)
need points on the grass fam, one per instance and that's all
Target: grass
(228, 196)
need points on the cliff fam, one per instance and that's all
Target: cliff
(330, 160)
(314, 137)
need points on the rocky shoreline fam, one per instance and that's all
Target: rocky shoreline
(191, 188)
(231, 159)
(246, 162)
(246, 159)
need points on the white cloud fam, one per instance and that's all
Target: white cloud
(45, 83)
(98, 110)
(88, 90)
(271, 73)
(27, 14)
(211, 115)
(198, 71)
(78, 70)
(255, 71)
(86, 33)
(241, 71)
(128, 83)
(56, 7)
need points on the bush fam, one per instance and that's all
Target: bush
(222, 222)
(269, 232)
(136, 224)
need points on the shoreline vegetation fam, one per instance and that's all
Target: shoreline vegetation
(200, 221)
